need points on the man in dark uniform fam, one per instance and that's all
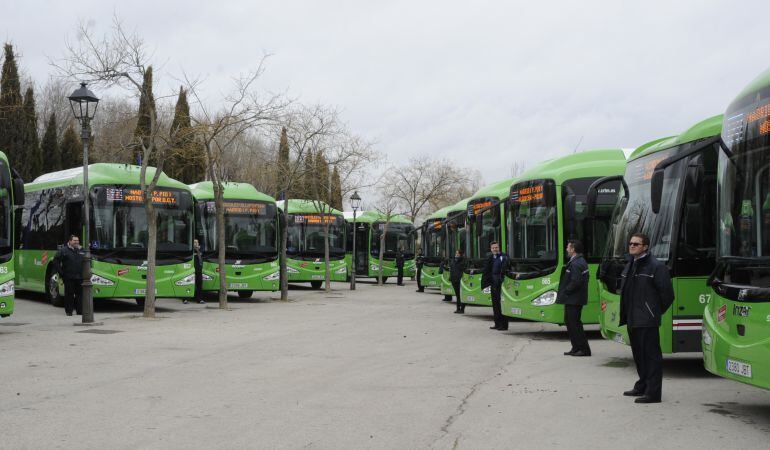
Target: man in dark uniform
(573, 294)
(494, 270)
(400, 266)
(69, 266)
(418, 264)
(646, 294)
(198, 264)
(456, 266)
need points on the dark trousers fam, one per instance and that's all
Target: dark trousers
(497, 310)
(577, 335)
(419, 281)
(73, 296)
(198, 286)
(645, 345)
(400, 280)
(456, 286)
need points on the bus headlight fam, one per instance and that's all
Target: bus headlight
(205, 277)
(186, 281)
(487, 290)
(101, 281)
(706, 337)
(548, 298)
(290, 269)
(273, 276)
(342, 269)
(7, 288)
(375, 267)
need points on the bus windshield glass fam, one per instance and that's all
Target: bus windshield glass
(592, 233)
(250, 229)
(434, 239)
(306, 235)
(456, 235)
(5, 213)
(398, 236)
(119, 223)
(533, 237)
(485, 226)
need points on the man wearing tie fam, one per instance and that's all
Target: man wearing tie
(494, 271)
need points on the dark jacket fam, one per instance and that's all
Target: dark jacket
(573, 284)
(487, 277)
(69, 263)
(456, 266)
(646, 292)
(400, 259)
(198, 260)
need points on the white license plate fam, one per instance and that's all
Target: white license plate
(431, 283)
(739, 368)
(317, 277)
(142, 291)
(618, 338)
(516, 311)
(239, 285)
(470, 298)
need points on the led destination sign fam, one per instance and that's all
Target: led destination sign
(437, 224)
(129, 195)
(529, 193)
(235, 208)
(315, 219)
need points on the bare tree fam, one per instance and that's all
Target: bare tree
(387, 206)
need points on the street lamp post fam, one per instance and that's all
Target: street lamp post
(355, 202)
(84, 103)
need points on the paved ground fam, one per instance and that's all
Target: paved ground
(383, 367)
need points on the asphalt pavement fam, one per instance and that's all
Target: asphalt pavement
(379, 367)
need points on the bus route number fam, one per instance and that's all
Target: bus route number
(4, 269)
(704, 299)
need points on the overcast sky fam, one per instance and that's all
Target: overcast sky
(483, 83)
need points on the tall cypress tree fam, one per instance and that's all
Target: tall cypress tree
(307, 190)
(335, 198)
(49, 147)
(322, 177)
(284, 166)
(187, 162)
(11, 111)
(144, 122)
(33, 164)
(71, 149)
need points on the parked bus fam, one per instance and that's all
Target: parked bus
(400, 234)
(251, 238)
(547, 209)
(736, 333)
(485, 210)
(11, 195)
(433, 249)
(681, 229)
(306, 221)
(456, 238)
(53, 210)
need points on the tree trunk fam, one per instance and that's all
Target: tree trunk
(282, 262)
(327, 258)
(152, 246)
(219, 200)
(382, 251)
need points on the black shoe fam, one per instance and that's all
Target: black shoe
(420, 290)
(494, 328)
(646, 399)
(69, 313)
(459, 311)
(399, 284)
(569, 353)
(505, 328)
(633, 393)
(581, 353)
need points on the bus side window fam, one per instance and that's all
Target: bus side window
(74, 219)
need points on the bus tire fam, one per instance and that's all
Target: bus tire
(52, 293)
(245, 294)
(384, 280)
(316, 284)
(139, 302)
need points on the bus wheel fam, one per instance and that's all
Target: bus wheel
(52, 293)
(384, 280)
(245, 294)
(139, 302)
(316, 284)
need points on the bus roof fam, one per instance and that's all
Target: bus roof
(233, 191)
(757, 84)
(588, 163)
(499, 189)
(102, 174)
(440, 214)
(703, 129)
(300, 206)
(375, 216)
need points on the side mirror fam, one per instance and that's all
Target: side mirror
(656, 190)
(18, 191)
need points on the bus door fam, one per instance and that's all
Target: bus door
(73, 222)
(362, 248)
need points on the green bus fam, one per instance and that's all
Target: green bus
(251, 238)
(400, 234)
(53, 209)
(433, 238)
(681, 228)
(484, 225)
(456, 238)
(11, 195)
(548, 207)
(736, 332)
(306, 221)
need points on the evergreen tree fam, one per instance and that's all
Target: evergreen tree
(284, 166)
(322, 178)
(307, 185)
(49, 148)
(144, 122)
(33, 164)
(187, 162)
(335, 198)
(71, 149)
(12, 124)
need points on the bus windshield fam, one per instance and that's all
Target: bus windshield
(534, 240)
(250, 230)
(398, 236)
(434, 240)
(5, 213)
(306, 235)
(456, 238)
(119, 223)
